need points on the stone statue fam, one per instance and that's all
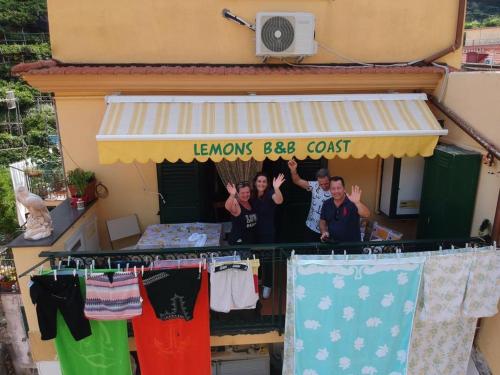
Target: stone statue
(39, 223)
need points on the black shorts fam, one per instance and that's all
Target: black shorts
(63, 294)
(310, 235)
(172, 293)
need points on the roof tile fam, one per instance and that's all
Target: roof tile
(54, 67)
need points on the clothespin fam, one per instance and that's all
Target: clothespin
(234, 255)
(204, 263)
(55, 275)
(93, 263)
(74, 272)
(126, 267)
(370, 251)
(142, 270)
(77, 263)
(109, 263)
(253, 256)
(40, 270)
(69, 259)
(199, 269)
(248, 262)
(86, 276)
(135, 271)
(440, 248)
(332, 254)
(178, 263)
(293, 253)
(59, 264)
(345, 254)
(452, 247)
(494, 245)
(151, 265)
(119, 268)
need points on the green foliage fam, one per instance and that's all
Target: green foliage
(482, 13)
(492, 21)
(43, 119)
(8, 218)
(26, 51)
(16, 15)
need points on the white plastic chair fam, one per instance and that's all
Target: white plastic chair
(123, 227)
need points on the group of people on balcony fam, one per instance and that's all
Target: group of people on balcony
(334, 214)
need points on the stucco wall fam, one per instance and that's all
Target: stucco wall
(158, 31)
(361, 172)
(476, 98)
(132, 187)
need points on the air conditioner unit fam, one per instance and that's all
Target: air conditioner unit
(282, 34)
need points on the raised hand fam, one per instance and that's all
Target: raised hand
(278, 181)
(355, 196)
(231, 189)
(292, 164)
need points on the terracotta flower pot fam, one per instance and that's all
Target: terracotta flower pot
(87, 197)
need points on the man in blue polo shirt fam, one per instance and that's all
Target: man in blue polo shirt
(340, 214)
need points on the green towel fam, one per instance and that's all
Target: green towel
(105, 352)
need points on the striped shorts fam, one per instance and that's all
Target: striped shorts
(112, 297)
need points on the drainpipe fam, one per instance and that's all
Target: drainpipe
(495, 234)
(458, 35)
(467, 128)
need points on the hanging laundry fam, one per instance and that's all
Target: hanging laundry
(112, 296)
(172, 292)
(288, 341)
(444, 281)
(63, 295)
(232, 287)
(354, 316)
(483, 287)
(175, 346)
(443, 347)
(439, 348)
(105, 352)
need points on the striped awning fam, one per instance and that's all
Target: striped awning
(184, 128)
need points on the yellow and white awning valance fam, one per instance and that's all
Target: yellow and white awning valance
(184, 128)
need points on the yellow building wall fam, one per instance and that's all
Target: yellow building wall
(132, 187)
(476, 97)
(159, 31)
(361, 172)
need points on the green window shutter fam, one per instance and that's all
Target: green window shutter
(180, 186)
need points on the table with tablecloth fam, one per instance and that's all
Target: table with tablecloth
(180, 235)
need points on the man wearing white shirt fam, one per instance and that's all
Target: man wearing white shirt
(320, 192)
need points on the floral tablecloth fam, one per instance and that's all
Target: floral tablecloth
(180, 235)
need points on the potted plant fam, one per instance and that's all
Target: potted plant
(81, 185)
(33, 172)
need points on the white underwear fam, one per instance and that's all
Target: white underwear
(232, 289)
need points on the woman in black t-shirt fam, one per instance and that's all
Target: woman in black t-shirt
(264, 200)
(243, 215)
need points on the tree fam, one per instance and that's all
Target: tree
(8, 218)
(28, 15)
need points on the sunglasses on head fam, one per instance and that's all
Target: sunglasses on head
(243, 184)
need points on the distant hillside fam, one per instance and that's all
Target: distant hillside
(482, 13)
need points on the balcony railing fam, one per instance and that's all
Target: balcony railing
(270, 313)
